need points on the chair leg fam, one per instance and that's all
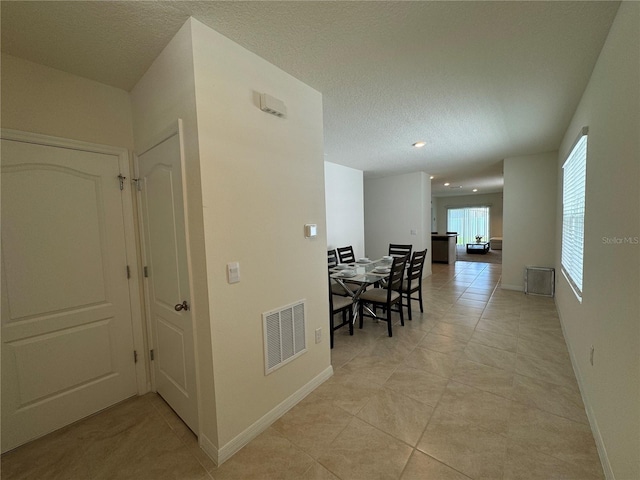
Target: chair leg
(401, 314)
(409, 305)
(331, 329)
(420, 298)
(351, 322)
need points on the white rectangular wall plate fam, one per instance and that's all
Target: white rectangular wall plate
(272, 105)
(310, 230)
(233, 272)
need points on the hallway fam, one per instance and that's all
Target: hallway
(480, 386)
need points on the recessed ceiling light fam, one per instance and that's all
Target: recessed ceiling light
(475, 189)
(447, 184)
(419, 144)
(431, 177)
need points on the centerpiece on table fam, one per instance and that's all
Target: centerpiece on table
(478, 238)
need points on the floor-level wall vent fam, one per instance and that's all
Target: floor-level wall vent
(284, 335)
(539, 281)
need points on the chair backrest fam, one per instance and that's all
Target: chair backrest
(330, 297)
(346, 254)
(394, 282)
(414, 272)
(332, 258)
(397, 250)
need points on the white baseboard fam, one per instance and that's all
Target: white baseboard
(593, 422)
(208, 447)
(224, 453)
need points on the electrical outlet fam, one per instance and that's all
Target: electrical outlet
(591, 355)
(318, 335)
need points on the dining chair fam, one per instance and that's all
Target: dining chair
(343, 305)
(386, 297)
(332, 258)
(336, 288)
(397, 250)
(413, 281)
(345, 254)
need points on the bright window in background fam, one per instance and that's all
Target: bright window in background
(468, 222)
(574, 175)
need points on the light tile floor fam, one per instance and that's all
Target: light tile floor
(479, 386)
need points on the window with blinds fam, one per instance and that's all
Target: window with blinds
(573, 207)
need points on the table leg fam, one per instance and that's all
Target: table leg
(355, 297)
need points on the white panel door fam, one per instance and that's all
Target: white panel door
(168, 292)
(67, 341)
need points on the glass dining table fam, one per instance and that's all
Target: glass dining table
(356, 277)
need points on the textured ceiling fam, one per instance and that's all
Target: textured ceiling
(478, 81)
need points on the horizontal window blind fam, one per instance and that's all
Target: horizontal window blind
(573, 209)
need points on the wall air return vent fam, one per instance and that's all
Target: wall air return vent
(284, 335)
(539, 281)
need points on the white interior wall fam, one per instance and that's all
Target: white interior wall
(165, 93)
(494, 200)
(44, 100)
(530, 190)
(609, 316)
(344, 198)
(397, 209)
(434, 214)
(425, 217)
(262, 181)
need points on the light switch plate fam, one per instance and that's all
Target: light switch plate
(233, 272)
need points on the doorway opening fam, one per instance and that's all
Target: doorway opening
(469, 223)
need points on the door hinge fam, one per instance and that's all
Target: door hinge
(151, 353)
(121, 178)
(128, 272)
(135, 356)
(146, 272)
(138, 183)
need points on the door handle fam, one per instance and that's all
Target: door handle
(181, 306)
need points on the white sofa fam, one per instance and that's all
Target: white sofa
(495, 243)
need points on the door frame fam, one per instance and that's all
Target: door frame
(131, 250)
(174, 128)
